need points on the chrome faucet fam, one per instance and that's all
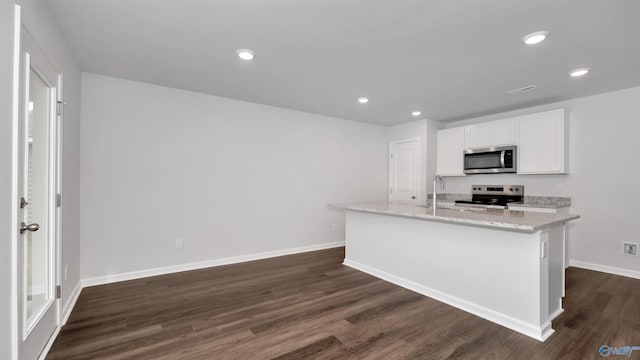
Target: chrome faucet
(436, 179)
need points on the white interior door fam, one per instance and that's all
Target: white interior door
(37, 188)
(404, 171)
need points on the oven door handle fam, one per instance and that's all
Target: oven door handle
(502, 153)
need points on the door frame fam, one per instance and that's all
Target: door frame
(20, 69)
(15, 137)
(420, 160)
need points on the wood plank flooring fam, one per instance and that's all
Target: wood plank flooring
(309, 306)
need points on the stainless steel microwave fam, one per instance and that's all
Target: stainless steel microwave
(498, 159)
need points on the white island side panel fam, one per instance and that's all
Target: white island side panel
(496, 274)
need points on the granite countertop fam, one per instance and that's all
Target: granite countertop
(512, 220)
(549, 202)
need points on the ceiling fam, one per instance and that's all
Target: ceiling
(450, 59)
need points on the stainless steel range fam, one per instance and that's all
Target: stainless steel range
(494, 196)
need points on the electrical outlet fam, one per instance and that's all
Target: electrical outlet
(630, 249)
(178, 243)
(334, 227)
(560, 187)
(66, 271)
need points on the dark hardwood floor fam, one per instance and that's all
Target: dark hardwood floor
(309, 306)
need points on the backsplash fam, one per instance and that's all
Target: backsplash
(538, 185)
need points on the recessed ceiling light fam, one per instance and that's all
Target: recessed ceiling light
(579, 72)
(535, 37)
(363, 100)
(416, 113)
(246, 54)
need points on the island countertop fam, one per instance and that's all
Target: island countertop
(511, 220)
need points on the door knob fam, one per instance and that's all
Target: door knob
(31, 227)
(413, 197)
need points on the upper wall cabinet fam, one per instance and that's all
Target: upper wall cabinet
(450, 152)
(492, 133)
(542, 143)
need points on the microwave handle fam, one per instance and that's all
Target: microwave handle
(502, 158)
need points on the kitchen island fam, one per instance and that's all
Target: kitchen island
(505, 266)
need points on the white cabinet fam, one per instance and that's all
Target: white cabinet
(542, 143)
(476, 136)
(541, 139)
(492, 133)
(450, 152)
(563, 236)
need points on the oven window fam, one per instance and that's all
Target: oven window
(487, 160)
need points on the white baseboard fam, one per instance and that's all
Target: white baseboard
(108, 279)
(540, 333)
(605, 269)
(71, 303)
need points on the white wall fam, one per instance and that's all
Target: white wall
(604, 170)
(228, 177)
(6, 106)
(36, 17)
(432, 151)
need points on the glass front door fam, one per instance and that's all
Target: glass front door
(37, 238)
(38, 185)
